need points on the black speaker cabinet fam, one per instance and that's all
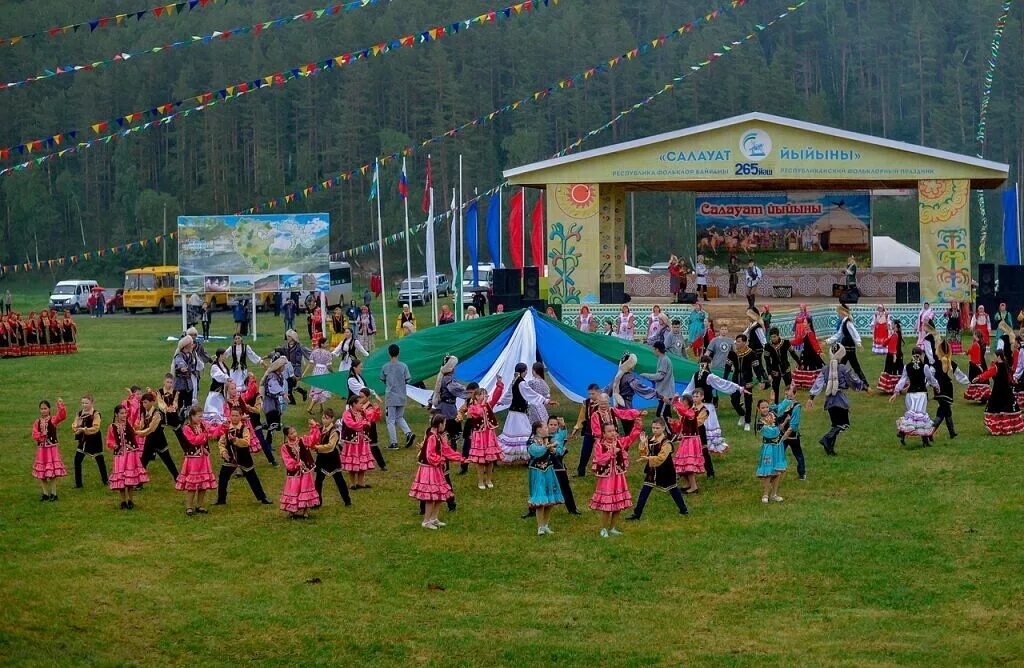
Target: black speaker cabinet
(687, 298)
(506, 281)
(908, 293)
(1011, 278)
(614, 293)
(986, 280)
(531, 282)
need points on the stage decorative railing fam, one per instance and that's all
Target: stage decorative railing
(803, 282)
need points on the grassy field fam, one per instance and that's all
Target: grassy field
(884, 556)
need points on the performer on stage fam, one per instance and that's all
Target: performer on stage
(925, 316)
(86, 427)
(657, 325)
(626, 328)
(659, 469)
(701, 270)
(545, 492)
(585, 322)
(484, 450)
(745, 367)
(299, 493)
(128, 473)
(788, 416)
(431, 485)
(772, 463)
(776, 358)
(583, 427)
(196, 472)
(518, 397)
(328, 459)
(688, 459)
(978, 390)
(953, 328)
(893, 368)
(611, 460)
(946, 371)
(917, 377)
(835, 380)
(151, 428)
(48, 465)
(237, 456)
(697, 328)
(356, 458)
(880, 334)
(980, 323)
(1002, 415)
(849, 338)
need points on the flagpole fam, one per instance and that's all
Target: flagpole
(462, 235)
(380, 252)
(500, 235)
(522, 214)
(408, 254)
(432, 279)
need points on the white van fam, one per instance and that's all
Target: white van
(339, 293)
(484, 269)
(71, 295)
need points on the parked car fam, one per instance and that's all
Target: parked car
(71, 295)
(114, 299)
(415, 292)
(484, 273)
(443, 287)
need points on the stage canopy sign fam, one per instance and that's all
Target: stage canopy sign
(251, 254)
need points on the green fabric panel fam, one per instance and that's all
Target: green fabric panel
(424, 350)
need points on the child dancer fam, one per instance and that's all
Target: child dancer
(430, 485)
(545, 492)
(128, 472)
(689, 456)
(236, 455)
(371, 433)
(151, 429)
(196, 472)
(835, 380)
(1002, 416)
(467, 432)
(880, 335)
(916, 378)
(611, 495)
(86, 428)
(328, 459)
(772, 464)
(788, 415)
(48, 465)
(893, 368)
(356, 458)
(484, 450)
(299, 493)
(659, 469)
(946, 371)
(978, 390)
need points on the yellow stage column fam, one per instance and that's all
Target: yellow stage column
(612, 212)
(945, 223)
(574, 246)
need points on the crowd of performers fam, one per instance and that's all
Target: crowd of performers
(42, 333)
(242, 417)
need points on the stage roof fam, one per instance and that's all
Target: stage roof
(760, 152)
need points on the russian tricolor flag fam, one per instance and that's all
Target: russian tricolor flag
(403, 184)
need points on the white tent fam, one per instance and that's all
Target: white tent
(888, 253)
(635, 271)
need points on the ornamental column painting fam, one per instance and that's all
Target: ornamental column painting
(945, 224)
(574, 244)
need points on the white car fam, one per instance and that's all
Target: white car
(71, 295)
(414, 293)
(484, 274)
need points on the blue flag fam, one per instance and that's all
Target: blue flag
(1011, 227)
(473, 241)
(494, 229)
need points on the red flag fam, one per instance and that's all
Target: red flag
(537, 233)
(426, 190)
(515, 230)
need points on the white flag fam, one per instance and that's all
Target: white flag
(431, 259)
(453, 252)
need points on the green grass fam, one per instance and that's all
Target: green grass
(885, 556)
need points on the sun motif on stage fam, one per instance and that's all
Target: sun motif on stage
(576, 200)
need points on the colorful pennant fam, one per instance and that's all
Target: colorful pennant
(84, 257)
(165, 113)
(210, 38)
(116, 20)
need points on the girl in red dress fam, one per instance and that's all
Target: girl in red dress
(196, 472)
(484, 450)
(980, 325)
(1002, 416)
(429, 485)
(611, 496)
(689, 456)
(356, 458)
(299, 493)
(880, 338)
(893, 369)
(48, 465)
(128, 472)
(978, 389)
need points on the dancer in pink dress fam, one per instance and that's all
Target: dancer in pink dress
(880, 333)
(430, 485)
(48, 465)
(128, 472)
(299, 493)
(196, 472)
(689, 455)
(484, 450)
(611, 496)
(356, 458)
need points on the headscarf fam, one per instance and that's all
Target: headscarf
(447, 367)
(182, 343)
(832, 386)
(626, 364)
(277, 364)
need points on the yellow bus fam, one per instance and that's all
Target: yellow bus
(156, 288)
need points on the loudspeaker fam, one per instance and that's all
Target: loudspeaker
(687, 298)
(614, 293)
(986, 280)
(907, 293)
(506, 282)
(837, 289)
(531, 282)
(510, 302)
(1011, 278)
(538, 305)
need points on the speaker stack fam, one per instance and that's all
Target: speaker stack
(1010, 289)
(531, 290)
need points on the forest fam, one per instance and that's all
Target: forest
(911, 70)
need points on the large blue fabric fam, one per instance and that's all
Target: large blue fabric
(494, 229)
(475, 366)
(473, 241)
(1011, 227)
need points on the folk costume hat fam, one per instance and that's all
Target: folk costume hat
(838, 353)
(448, 365)
(626, 364)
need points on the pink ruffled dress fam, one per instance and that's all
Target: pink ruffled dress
(429, 483)
(610, 464)
(128, 471)
(196, 471)
(355, 440)
(299, 490)
(48, 463)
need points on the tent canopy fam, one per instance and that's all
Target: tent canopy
(888, 253)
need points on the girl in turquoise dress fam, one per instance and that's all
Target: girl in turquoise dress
(545, 492)
(772, 464)
(697, 328)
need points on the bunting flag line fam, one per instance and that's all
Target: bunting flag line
(84, 257)
(217, 35)
(723, 50)
(986, 97)
(164, 114)
(175, 8)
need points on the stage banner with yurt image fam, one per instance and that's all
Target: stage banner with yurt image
(254, 254)
(785, 229)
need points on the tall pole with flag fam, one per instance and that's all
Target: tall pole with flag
(403, 190)
(453, 241)
(462, 241)
(430, 255)
(375, 194)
